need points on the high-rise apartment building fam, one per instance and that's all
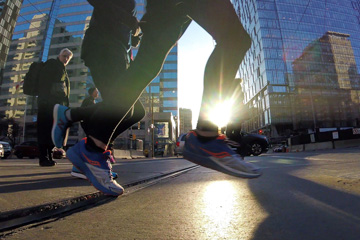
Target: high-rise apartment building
(43, 28)
(301, 72)
(9, 11)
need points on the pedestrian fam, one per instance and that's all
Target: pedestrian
(90, 100)
(54, 88)
(163, 24)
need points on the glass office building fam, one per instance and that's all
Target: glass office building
(302, 71)
(43, 28)
(9, 11)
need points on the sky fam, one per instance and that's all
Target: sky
(194, 48)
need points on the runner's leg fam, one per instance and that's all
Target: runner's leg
(232, 42)
(162, 29)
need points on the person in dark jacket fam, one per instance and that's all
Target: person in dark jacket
(54, 89)
(90, 100)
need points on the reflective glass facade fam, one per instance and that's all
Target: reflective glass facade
(43, 28)
(302, 71)
(9, 11)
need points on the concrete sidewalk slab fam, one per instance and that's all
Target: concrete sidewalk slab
(23, 183)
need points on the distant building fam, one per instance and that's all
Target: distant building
(301, 72)
(185, 117)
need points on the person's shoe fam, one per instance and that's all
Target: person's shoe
(47, 163)
(78, 174)
(96, 167)
(214, 153)
(60, 125)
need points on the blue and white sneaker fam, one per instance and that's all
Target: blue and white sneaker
(78, 174)
(96, 167)
(60, 126)
(217, 155)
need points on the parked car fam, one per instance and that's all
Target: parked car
(180, 144)
(7, 149)
(27, 149)
(1, 151)
(248, 143)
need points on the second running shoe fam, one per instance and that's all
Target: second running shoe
(96, 167)
(215, 153)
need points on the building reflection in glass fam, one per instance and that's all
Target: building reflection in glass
(42, 30)
(284, 34)
(325, 82)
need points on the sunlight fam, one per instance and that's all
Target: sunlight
(219, 204)
(221, 113)
(226, 208)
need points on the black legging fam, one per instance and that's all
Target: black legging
(106, 65)
(164, 23)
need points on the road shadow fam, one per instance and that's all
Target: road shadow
(41, 184)
(301, 209)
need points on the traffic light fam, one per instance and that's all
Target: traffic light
(260, 131)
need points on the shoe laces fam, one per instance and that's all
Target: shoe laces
(109, 156)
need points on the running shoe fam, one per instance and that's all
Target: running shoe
(60, 126)
(215, 153)
(96, 167)
(78, 174)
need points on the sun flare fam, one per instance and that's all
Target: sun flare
(221, 113)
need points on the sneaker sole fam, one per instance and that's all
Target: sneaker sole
(78, 163)
(78, 175)
(209, 163)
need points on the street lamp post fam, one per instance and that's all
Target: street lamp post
(152, 126)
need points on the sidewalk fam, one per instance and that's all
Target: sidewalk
(24, 184)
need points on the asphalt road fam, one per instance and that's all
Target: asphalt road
(307, 196)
